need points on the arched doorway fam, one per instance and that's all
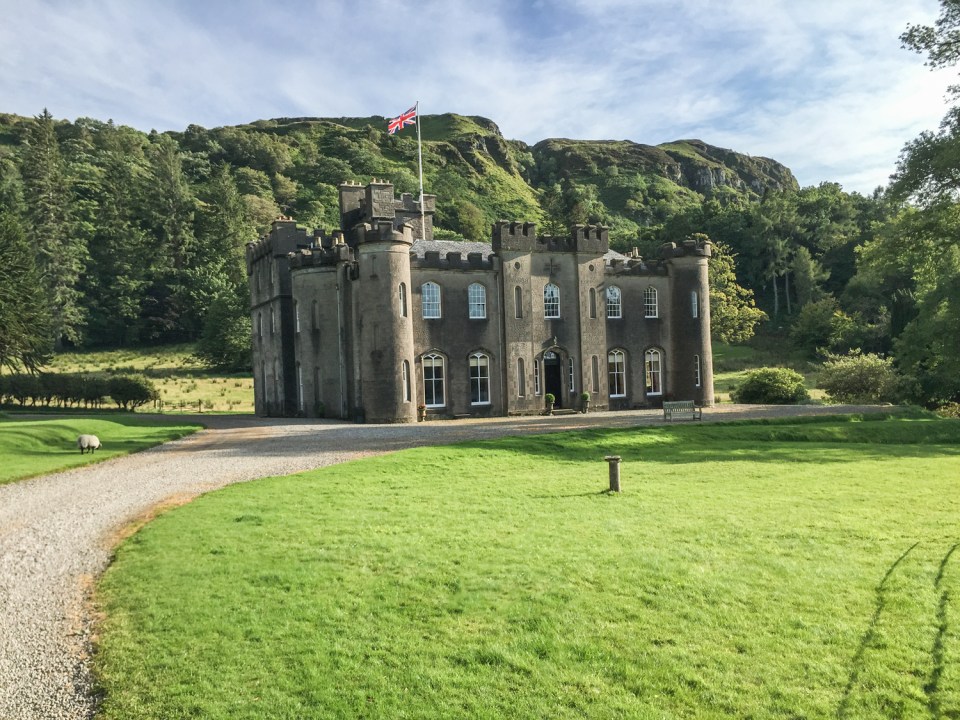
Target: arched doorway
(553, 376)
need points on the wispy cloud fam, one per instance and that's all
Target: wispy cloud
(822, 86)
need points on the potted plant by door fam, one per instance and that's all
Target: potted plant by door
(549, 399)
(584, 402)
(421, 412)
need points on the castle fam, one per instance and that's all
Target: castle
(379, 322)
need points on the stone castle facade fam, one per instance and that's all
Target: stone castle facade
(378, 320)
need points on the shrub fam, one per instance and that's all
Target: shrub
(821, 326)
(131, 391)
(771, 386)
(858, 378)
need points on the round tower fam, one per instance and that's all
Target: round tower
(384, 327)
(690, 365)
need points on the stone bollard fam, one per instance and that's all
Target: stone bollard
(614, 462)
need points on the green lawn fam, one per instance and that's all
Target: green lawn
(802, 569)
(35, 447)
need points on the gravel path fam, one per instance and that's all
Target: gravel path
(57, 531)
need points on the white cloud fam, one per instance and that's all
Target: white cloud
(820, 85)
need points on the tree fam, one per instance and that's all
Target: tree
(25, 332)
(808, 274)
(733, 314)
(60, 256)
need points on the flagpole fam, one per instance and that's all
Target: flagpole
(423, 222)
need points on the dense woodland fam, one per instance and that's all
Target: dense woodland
(110, 236)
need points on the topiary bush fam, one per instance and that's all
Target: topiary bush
(858, 378)
(771, 386)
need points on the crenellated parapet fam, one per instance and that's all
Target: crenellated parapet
(284, 237)
(433, 259)
(688, 248)
(514, 235)
(321, 256)
(590, 238)
(380, 231)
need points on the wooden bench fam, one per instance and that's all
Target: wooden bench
(681, 410)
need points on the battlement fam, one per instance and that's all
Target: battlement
(434, 259)
(590, 238)
(321, 256)
(688, 248)
(381, 231)
(514, 235)
(284, 237)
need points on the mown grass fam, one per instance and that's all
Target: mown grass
(184, 384)
(38, 446)
(768, 570)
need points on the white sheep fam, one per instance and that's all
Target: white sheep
(88, 442)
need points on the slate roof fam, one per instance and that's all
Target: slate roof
(420, 247)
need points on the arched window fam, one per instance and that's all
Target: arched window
(259, 324)
(617, 373)
(296, 315)
(518, 302)
(595, 370)
(694, 303)
(299, 388)
(551, 301)
(536, 376)
(570, 374)
(614, 307)
(696, 370)
(653, 372)
(477, 297)
(593, 302)
(273, 321)
(402, 291)
(405, 373)
(433, 395)
(521, 379)
(479, 379)
(650, 307)
(431, 300)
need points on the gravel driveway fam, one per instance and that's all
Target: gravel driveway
(57, 531)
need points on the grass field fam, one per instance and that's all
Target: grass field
(184, 384)
(768, 570)
(35, 447)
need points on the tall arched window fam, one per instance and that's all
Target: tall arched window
(593, 302)
(477, 298)
(653, 372)
(551, 301)
(521, 379)
(650, 306)
(536, 376)
(431, 300)
(694, 303)
(696, 370)
(433, 395)
(299, 388)
(479, 379)
(402, 292)
(518, 302)
(296, 315)
(595, 373)
(614, 307)
(259, 324)
(273, 321)
(405, 372)
(617, 373)
(570, 375)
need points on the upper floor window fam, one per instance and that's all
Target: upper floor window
(650, 306)
(433, 390)
(614, 307)
(477, 297)
(551, 301)
(431, 300)
(593, 303)
(617, 373)
(653, 372)
(694, 303)
(402, 293)
(479, 379)
(518, 302)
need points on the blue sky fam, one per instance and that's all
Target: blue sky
(820, 85)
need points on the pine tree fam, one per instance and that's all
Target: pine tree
(25, 335)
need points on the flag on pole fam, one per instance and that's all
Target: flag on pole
(398, 123)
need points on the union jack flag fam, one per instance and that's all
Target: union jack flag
(398, 123)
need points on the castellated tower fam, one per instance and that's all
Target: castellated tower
(384, 357)
(689, 333)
